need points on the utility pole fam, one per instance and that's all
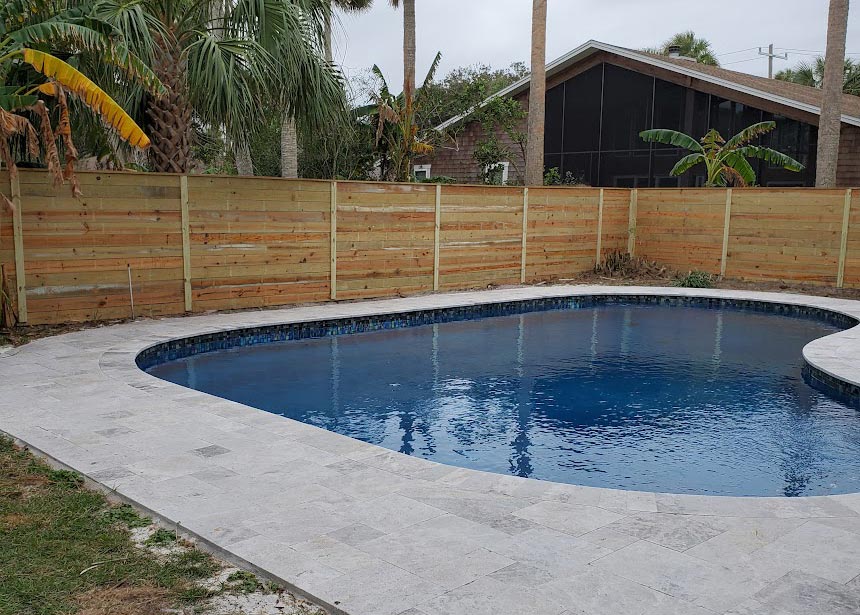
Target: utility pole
(770, 57)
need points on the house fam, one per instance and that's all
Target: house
(600, 97)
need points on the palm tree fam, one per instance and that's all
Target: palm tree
(225, 63)
(830, 121)
(691, 46)
(726, 161)
(812, 74)
(409, 47)
(289, 135)
(537, 97)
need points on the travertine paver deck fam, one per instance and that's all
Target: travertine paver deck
(373, 532)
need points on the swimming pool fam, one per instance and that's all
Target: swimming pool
(686, 398)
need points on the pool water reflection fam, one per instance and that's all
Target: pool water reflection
(645, 397)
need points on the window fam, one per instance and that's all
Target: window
(496, 174)
(422, 171)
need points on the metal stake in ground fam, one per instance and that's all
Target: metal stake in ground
(130, 291)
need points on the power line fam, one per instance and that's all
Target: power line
(740, 61)
(729, 53)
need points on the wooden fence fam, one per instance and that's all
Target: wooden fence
(182, 244)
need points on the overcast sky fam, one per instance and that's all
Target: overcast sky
(497, 32)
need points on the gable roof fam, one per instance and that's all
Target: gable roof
(801, 97)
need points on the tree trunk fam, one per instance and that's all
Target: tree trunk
(289, 148)
(408, 86)
(169, 117)
(242, 154)
(537, 97)
(830, 122)
(329, 54)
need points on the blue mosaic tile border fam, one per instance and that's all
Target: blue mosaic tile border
(224, 340)
(268, 334)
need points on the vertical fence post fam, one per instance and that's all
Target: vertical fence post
(726, 225)
(333, 243)
(18, 241)
(631, 222)
(599, 227)
(843, 244)
(186, 241)
(525, 234)
(436, 232)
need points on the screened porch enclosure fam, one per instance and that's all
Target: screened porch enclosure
(593, 121)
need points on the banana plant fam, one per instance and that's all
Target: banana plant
(398, 138)
(725, 161)
(38, 43)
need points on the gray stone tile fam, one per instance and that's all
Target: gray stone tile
(355, 534)
(337, 555)
(609, 538)
(392, 512)
(381, 589)
(595, 592)
(213, 450)
(554, 551)
(115, 431)
(455, 572)
(569, 518)
(522, 575)
(679, 532)
(827, 552)
(488, 596)
(108, 475)
(690, 579)
(744, 537)
(299, 523)
(798, 593)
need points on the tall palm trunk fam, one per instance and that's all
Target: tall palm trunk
(289, 135)
(537, 97)
(242, 155)
(327, 46)
(409, 44)
(830, 122)
(289, 148)
(169, 117)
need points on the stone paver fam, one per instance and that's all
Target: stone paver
(367, 531)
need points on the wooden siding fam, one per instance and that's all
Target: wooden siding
(204, 243)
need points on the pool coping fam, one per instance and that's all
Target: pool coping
(360, 510)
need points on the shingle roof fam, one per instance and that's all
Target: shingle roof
(793, 95)
(786, 89)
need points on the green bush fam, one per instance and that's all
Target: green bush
(695, 279)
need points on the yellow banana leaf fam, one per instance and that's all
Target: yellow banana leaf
(96, 98)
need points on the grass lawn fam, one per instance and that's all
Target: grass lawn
(65, 549)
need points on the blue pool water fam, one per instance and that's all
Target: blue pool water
(646, 397)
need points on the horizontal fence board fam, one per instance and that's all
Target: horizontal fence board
(783, 235)
(265, 242)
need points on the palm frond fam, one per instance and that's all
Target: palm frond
(770, 156)
(671, 137)
(735, 161)
(750, 133)
(686, 163)
(80, 85)
(434, 66)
